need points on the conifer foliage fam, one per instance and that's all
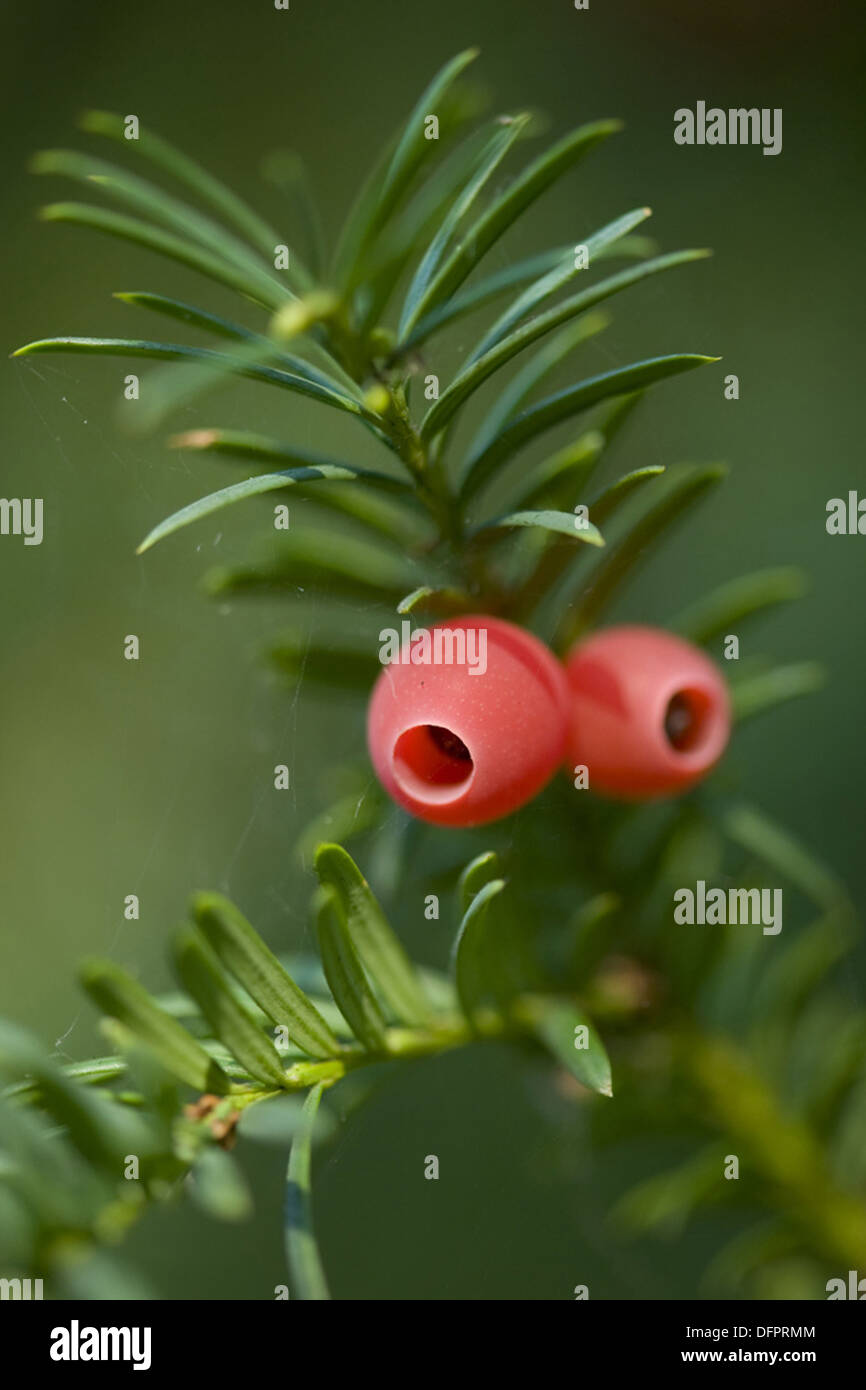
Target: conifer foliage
(564, 946)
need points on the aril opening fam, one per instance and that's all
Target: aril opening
(432, 763)
(687, 720)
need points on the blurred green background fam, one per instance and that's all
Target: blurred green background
(155, 777)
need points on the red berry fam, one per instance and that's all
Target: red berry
(457, 748)
(650, 713)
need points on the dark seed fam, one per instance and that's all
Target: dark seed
(679, 721)
(449, 743)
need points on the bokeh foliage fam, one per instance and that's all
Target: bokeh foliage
(704, 826)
